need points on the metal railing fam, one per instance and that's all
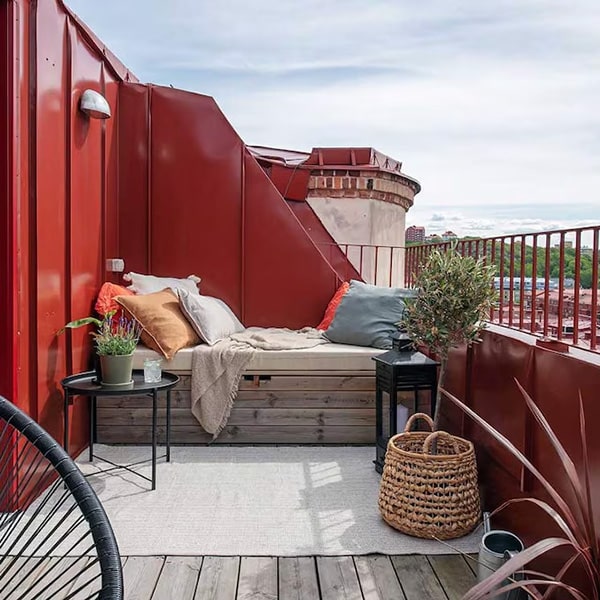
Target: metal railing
(547, 281)
(376, 264)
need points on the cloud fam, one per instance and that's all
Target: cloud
(486, 104)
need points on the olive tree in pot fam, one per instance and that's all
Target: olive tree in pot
(115, 340)
(454, 297)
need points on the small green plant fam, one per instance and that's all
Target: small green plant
(114, 337)
(455, 294)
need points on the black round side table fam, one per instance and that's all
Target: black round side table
(86, 384)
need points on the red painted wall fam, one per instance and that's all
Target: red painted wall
(62, 190)
(195, 201)
(166, 183)
(6, 271)
(554, 381)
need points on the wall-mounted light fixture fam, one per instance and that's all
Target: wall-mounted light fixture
(94, 104)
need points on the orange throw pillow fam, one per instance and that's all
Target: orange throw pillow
(332, 306)
(164, 328)
(105, 302)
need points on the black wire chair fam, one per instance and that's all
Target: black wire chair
(55, 538)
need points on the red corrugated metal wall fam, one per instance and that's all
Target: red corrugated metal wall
(201, 204)
(6, 271)
(165, 183)
(63, 184)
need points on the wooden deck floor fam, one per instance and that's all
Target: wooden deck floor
(373, 577)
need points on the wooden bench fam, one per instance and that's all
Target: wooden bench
(273, 406)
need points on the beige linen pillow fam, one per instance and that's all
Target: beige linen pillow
(147, 284)
(210, 317)
(164, 327)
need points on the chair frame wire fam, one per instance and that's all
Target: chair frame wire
(60, 471)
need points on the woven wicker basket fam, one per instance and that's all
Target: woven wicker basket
(425, 494)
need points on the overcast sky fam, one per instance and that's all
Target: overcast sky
(493, 106)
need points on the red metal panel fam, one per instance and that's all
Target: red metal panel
(133, 122)
(334, 254)
(7, 364)
(554, 381)
(52, 113)
(340, 156)
(287, 281)
(111, 172)
(196, 196)
(18, 170)
(98, 48)
(86, 235)
(292, 182)
(559, 379)
(233, 228)
(74, 167)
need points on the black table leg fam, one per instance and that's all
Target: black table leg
(168, 425)
(66, 421)
(92, 425)
(154, 401)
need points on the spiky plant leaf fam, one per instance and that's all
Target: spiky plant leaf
(81, 323)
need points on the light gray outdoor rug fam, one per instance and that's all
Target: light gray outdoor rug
(273, 501)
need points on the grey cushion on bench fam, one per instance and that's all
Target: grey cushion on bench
(367, 315)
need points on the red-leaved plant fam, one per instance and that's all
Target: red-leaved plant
(575, 521)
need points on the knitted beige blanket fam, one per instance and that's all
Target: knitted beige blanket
(217, 370)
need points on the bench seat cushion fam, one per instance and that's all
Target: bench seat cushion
(326, 357)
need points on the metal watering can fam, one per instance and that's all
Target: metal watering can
(497, 547)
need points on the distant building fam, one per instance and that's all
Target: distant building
(434, 238)
(449, 235)
(415, 234)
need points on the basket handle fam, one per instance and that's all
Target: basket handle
(432, 438)
(417, 416)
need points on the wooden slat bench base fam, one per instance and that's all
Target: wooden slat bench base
(301, 408)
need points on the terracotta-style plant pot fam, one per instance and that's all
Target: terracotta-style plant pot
(116, 369)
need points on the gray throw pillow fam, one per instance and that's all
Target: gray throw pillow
(367, 315)
(210, 317)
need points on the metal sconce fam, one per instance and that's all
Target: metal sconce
(94, 105)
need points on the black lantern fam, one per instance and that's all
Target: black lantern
(399, 371)
(402, 342)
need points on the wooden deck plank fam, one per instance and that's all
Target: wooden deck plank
(417, 578)
(298, 578)
(338, 578)
(454, 574)
(471, 560)
(258, 578)
(218, 578)
(86, 584)
(378, 579)
(21, 575)
(61, 569)
(309, 382)
(178, 578)
(256, 399)
(246, 417)
(259, 434)
(140, 575)
(372, 577)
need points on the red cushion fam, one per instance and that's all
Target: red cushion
(105, 302)
(332, 306)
